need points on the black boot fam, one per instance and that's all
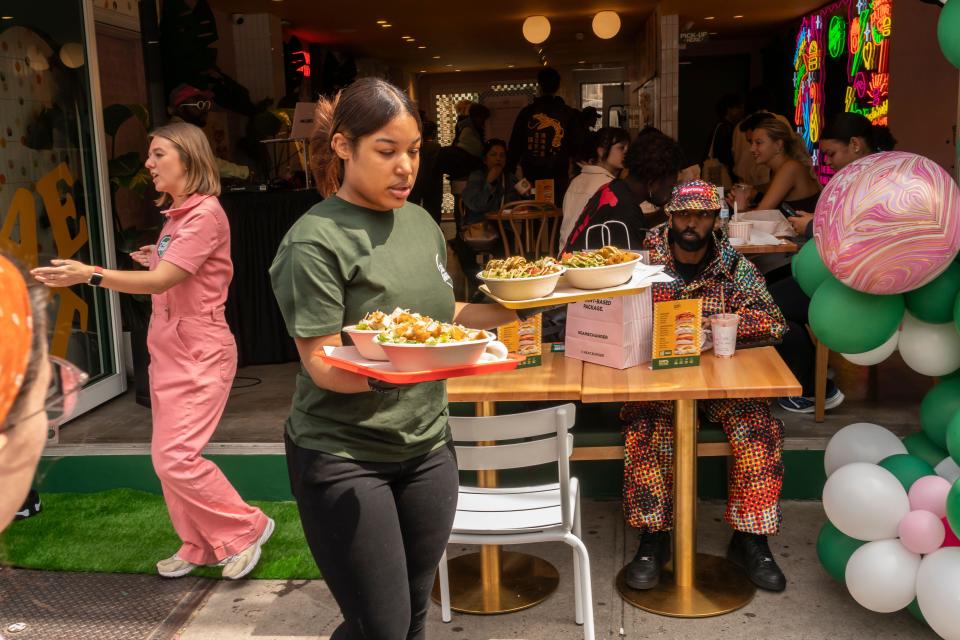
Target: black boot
(643, 572)
(750, 552)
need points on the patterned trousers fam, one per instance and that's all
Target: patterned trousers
(755, 480)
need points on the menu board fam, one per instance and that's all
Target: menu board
(677, 327)
(522, 338)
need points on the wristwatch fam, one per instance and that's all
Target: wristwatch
(96, 277)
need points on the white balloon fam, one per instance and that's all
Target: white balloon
(929, 349)
(948, 469)
(875, 356)
(882, 576)
(865, 501)
(860, 442)
(938, 592)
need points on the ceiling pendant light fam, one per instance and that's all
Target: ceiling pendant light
(536, 29)
(606, 24)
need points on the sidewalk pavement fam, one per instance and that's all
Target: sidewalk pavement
(813, 606)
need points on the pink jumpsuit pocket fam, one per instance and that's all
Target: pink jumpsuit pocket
(228, 359)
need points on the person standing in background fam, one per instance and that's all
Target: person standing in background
(545, 136)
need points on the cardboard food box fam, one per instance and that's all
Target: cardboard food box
(543, 190)
(613, 332)
(523, 337)
(677, 325)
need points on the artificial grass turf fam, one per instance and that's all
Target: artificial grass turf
(128, 531)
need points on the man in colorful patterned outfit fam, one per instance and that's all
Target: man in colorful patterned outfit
(704, 265)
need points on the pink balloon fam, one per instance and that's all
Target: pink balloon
(929, 493)
(950, 539)
(888, 223)
(921, 532)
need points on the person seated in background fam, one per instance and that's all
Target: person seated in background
(775, 145)
(191, 105)
(603, 155)
(704, 265)
(846, 138)
(745, 169)
(25, 380)
(652, 162)
(488, 189)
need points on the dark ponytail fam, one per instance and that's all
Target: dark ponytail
(364, 107)
(845, 126)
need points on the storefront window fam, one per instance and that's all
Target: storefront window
(52, 202)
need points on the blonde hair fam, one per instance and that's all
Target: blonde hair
(197, 157)
(793, 144)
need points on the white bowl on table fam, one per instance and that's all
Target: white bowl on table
(612, 275)
(523, 288)
(365, 342)
(427, 357)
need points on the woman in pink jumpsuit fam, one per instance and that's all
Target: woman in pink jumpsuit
(193, 355)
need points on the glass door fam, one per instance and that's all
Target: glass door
(54, 195)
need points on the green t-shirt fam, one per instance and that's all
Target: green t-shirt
(338, 262)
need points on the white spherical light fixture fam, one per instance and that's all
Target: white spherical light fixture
(606, 24)
(536, 29)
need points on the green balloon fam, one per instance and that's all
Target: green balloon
(834, 549)
(956, 305)
(935, 301)
(849, 321)
(939, 406)
(808, 269)
(919, 445)
(953, 506)
(914, 609)
(907, 468)
(953, 436)
(948, 32)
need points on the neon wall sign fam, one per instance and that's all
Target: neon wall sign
(841, 63)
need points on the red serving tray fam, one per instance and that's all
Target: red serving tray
(349, 359)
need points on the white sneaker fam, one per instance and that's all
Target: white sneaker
(174, 567)
(240, 564)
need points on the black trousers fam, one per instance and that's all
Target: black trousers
(797, 349)
(377, 532)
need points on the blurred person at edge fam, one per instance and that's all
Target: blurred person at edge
(193, 354)
(25, 375)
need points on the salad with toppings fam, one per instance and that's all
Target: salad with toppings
(378, 320)
(602, 257)
(413, 328)
(518, 267)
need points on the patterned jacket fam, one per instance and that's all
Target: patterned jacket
(744, 289)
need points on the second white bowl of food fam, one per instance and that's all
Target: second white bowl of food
(427, 357)
(612, 275)
(365, 342)
(523, 288)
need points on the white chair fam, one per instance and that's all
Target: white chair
(543, 513)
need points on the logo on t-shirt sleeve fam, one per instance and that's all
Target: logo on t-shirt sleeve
(443, 272)
(163, 245)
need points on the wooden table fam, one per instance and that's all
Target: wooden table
(494, 581)
(699, 585)
(785, 246)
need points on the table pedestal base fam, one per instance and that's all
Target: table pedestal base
(525, 581)
(719, 588)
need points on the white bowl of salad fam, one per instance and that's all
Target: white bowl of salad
(364, 333)
(420, 343)
(599, 268)
(516, 278)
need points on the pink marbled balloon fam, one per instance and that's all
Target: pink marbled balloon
(888, 223)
